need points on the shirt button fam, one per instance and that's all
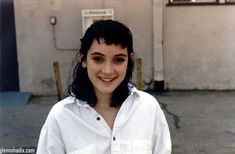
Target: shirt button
(98, 118)
(114, 138)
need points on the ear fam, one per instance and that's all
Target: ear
(132, 56)
(83, 61)
(84, 64)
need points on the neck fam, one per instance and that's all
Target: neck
(103, 100)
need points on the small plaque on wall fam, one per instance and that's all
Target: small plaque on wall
(92, 15)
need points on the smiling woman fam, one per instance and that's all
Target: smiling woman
(104, 35)
(106, 67)
(105, 113)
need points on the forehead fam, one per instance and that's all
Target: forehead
(104, 48)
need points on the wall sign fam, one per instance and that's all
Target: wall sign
(91, 16)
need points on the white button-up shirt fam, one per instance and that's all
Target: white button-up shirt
(73, 127)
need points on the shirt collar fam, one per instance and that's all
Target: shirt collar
(133, 90)
(72, 100)
(81, 103)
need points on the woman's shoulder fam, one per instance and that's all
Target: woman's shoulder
(62, 103)
(143, 95)
(146, 98)
(62, 106)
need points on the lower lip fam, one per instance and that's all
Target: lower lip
(107, 81)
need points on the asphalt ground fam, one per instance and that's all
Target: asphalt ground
(201, 122)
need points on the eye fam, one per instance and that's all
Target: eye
(119, 60)
(98, 59)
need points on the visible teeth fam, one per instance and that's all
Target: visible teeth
(106, 80)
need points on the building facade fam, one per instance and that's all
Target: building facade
(182, 46)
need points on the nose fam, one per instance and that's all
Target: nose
(107, 68)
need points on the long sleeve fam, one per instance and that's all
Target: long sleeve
(162, 135)
(50, 141)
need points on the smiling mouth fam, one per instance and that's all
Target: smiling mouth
(107, 80)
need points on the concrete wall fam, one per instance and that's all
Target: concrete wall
(35, 44)
(198, 41)
(199, 48)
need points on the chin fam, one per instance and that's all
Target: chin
(107, 91)
(107, 88)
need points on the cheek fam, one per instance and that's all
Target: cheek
(123, 69)
(91, 65)
(91, 69)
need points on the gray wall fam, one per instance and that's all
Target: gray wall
(199, 47)
(198, 41)
(35, 45)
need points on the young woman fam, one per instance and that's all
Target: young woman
(105, 113)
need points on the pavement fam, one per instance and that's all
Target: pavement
(201, 122)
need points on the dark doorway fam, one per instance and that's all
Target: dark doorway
(9, 80)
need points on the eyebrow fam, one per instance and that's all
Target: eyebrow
(117, 55)
(121, 55)
(97, 53)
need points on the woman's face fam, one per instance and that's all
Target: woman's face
(106, 66)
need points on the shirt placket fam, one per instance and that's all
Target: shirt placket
(101, 123)
(115, 146)
(118, 123)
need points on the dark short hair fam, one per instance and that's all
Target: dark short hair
(113, 32)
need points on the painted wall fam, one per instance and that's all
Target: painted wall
(199, 48)
(36, 52)
(198, 41)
